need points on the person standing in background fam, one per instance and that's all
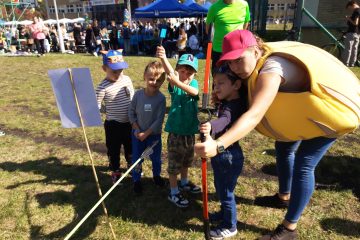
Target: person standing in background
(114, 36)
(97, 34)
(352, 35)
(77, 34)
(37, 31)
(226, 15)
(126, 36)
(90, 39)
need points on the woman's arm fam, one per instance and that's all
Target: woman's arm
(266, 89)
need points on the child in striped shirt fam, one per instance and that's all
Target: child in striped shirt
(115, 92)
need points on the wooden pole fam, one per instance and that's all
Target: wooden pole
(90, 154)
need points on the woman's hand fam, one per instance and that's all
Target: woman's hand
(206, 149)
(205, 128)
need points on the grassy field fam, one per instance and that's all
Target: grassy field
(47, 185)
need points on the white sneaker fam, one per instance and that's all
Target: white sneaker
(221, 233)
(190, 187)
(178, 200)
(95, 54)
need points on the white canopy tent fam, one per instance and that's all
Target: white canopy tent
(50, 21)
(65, 20)
(78, 20)
(25, 22)
(11, 23)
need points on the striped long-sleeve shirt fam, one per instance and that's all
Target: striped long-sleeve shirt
(116, 97)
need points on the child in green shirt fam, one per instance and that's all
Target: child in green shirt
(182, 123)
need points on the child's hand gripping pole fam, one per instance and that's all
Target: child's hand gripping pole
(205, 116)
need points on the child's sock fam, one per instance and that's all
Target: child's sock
(184, 181)
(174, 190)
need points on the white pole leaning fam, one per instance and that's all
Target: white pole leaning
(148, 151)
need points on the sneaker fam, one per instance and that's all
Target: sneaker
(271, 201)
(159, 181)
(281, 233)
(216, 217)
(95, 54)
(190, 187)
(115, 175)
(221, 233)
(178, 200)
(138, 187)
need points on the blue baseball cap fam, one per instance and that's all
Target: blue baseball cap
(189, 59)
(114, 59)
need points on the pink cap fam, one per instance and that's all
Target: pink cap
(235, 43)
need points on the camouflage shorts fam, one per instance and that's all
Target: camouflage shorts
(180, 152)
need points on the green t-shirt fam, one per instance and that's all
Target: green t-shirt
(226, 18)
(182, 117)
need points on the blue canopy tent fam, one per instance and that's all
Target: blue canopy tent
(207, 5)
(163, 9)
(196, 9)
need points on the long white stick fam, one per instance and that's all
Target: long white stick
(146, 153)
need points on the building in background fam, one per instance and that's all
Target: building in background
(280, 11)
(29, 3)
(331, 13)
(102, 10)
(69, 9)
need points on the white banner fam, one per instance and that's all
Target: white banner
(105, 2)
(64, 94)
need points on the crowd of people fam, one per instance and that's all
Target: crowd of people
(138, 38)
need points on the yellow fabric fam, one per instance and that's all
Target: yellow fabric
(332, 106)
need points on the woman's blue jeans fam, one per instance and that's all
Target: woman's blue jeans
(227, 167)
(296, 163)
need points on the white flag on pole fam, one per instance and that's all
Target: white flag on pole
(64, 94)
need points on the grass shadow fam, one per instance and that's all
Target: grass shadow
(341, 226)
(151, 208)
(269, 169)
(332, 173)
(339, 173)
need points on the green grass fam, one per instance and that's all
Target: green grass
(47, 184)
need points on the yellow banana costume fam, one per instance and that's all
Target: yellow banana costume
(330, 109)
